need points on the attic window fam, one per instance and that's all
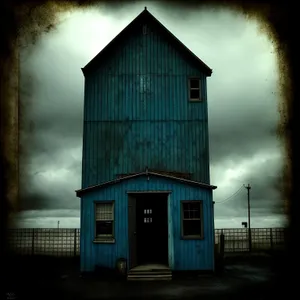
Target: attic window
(194, 89)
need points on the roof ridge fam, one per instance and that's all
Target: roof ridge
(117, 38)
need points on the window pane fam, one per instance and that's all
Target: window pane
(194, 94)
(191, 227)
(186, 214)
(104, 227)
(191, 210)
(194, 83)
(104, 211)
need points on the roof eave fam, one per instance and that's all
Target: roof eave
(83, 70)
(204, 185)
(191, 182)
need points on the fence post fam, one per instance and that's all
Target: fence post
(32, 242)
(271, 238)
(75, 242)
(222, 244)
(222, 250)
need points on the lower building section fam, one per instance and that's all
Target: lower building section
(154, 223)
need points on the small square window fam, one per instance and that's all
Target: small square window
(194, 89)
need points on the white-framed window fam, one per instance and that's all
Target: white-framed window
(192, 219)
(104, 220)
(194, 89)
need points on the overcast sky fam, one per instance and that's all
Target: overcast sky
(242, 98)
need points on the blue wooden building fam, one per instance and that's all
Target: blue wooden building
(146, 194)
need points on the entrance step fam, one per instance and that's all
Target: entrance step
(150, 272)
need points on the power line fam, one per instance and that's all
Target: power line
(230, 197)
(249, 228)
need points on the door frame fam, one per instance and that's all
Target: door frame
(132, 244)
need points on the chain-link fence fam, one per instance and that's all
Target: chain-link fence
(237, 239)
(45, 241)
(65, 242)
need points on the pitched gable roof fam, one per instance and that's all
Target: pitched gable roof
(146, 16)
(145, 173)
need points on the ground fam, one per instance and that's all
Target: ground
(243, 277)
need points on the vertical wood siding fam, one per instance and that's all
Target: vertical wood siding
(137, 113)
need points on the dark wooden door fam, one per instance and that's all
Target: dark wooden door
(132, 231)
(151, 229)
(145, 230)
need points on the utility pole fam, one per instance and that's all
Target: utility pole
(248, 187)
(57, 224)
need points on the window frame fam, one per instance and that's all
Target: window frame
(99, 238)
(190, 88)
(191, 237)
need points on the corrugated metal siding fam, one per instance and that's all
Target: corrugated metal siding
(137, 113)
(197, 253)
(187, 255)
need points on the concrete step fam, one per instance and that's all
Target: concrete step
(149, 276)
(150, 272)
(163, 272)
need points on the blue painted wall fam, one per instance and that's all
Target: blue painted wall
(137, 113)
(183, 254)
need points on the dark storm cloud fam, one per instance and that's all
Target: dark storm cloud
(242, 104)
(41, 193)
(264, 179)
(34, 200)
(266, 182)
(52, 130)
(46, 200)
(57, 92)
(238, 128)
